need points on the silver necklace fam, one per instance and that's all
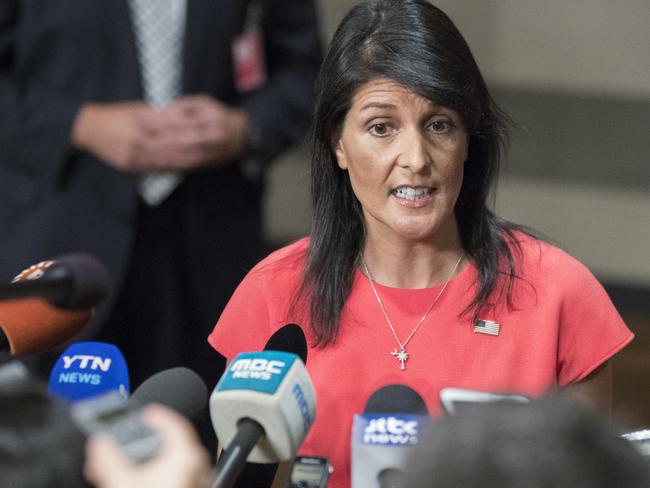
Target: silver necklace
(401, 354)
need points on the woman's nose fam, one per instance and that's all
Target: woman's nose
(413, 153)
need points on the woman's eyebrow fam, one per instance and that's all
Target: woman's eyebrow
(381, 105)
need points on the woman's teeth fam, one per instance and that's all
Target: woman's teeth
(411, 193)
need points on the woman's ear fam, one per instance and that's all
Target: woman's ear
(339, 151)
(468, 141)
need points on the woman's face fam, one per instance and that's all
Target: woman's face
(405, 158)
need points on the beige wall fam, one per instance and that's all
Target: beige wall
(596, 48)
(599, 46)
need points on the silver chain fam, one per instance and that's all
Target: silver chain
(417, 326)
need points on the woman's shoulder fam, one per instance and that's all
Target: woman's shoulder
(536, 256)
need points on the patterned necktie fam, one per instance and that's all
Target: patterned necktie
(159, 28)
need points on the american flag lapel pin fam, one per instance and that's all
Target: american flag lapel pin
(487, 327)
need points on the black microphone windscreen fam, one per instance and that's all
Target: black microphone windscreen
(289, 338)
(180, 389)
(89, 279)
(396, 399)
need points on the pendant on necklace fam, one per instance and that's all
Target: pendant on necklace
(401, 356)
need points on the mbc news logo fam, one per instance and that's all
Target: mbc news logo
(303, 407)
(256, 368)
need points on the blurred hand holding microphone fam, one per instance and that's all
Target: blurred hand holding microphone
(261, 410)
(50, 302)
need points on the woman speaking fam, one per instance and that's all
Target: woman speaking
(408, 277)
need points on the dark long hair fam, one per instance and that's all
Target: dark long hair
(416, 45)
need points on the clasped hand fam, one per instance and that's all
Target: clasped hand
(190, 132)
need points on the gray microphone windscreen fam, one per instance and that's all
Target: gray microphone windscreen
(180, 389)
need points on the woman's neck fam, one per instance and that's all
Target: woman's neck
(412, 264)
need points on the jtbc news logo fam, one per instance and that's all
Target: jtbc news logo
(95, 365)
(257, 368)
(392, 430)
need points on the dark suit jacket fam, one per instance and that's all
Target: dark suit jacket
(56, 55)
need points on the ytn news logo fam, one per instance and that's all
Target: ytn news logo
(84, 362)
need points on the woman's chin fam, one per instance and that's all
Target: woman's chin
(423, 228)
(416, 233)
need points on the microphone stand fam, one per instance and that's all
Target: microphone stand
(232, 461)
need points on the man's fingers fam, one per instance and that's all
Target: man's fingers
(104, 460)
(169, 423)
(191, 104)
(179, 437)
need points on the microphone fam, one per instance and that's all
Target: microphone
(49, 303)
(88, 369)
(13, 372)
(289, 338)
(385, 435)
(263, 406)
(72, 281)
(640, 439)
(180, 389)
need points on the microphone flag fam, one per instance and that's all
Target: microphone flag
(385, 435)
(382, 442)
(272, 388)
(289, 338)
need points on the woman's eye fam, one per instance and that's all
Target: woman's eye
(440, 126)
(380, 129)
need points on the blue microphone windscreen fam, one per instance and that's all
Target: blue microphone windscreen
(88, 369)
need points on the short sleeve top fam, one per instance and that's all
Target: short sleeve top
(561, 327)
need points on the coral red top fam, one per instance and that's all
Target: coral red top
(562, 327)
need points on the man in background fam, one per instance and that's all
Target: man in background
(139, 131)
